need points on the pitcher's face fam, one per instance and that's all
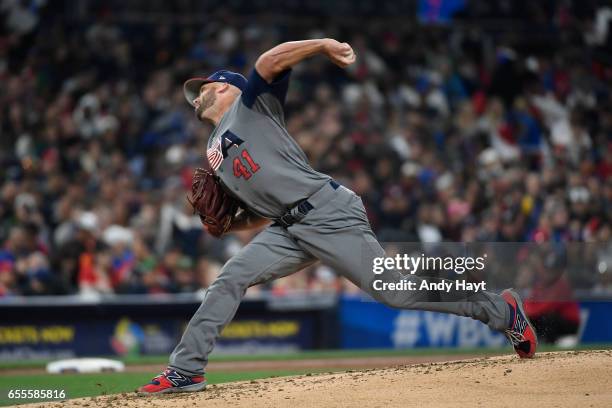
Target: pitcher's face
(205, 100)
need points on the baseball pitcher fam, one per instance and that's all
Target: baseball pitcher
(256, 165)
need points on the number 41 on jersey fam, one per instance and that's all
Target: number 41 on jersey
(240, 170)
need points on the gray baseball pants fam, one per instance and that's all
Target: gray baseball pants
(338, 233)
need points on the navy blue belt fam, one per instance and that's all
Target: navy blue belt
(299, 211)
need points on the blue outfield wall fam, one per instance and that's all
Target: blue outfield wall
(35, 329)
(367, 324)
(596, 322)
(125, 326)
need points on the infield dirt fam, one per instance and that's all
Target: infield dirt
(561, 379)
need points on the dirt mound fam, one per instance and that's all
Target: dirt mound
(564, 379)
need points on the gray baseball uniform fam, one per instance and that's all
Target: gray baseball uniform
(259, 162)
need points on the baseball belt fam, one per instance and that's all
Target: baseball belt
(297, 213)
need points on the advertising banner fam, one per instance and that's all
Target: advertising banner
(131, 331)
(367, 324)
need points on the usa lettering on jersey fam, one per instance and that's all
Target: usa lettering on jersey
(229, 140)
(220, 147)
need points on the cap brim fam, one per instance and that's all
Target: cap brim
(191, 88)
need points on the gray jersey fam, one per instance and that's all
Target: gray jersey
(254, 155)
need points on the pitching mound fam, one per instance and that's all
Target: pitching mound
(564, 379)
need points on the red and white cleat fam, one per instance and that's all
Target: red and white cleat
(172, 381)
(521, 333)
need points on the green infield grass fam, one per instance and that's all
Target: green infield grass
(319, 354)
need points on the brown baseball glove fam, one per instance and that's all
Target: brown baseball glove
(209, 200)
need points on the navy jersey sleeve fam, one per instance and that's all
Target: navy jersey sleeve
(266, 98)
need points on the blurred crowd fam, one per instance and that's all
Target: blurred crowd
(496, 127)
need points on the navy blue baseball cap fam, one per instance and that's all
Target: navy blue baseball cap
(192, 86)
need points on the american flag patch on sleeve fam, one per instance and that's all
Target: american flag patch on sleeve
(215, 157)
